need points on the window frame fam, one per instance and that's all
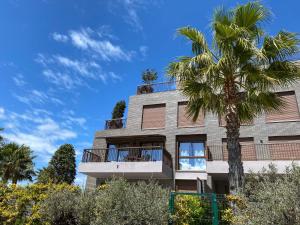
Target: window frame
(190, 157)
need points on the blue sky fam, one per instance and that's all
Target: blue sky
(65, 63)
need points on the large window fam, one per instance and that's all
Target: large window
(191, 155)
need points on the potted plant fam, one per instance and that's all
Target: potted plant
(148, 76)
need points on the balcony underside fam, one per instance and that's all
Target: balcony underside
(129, 170)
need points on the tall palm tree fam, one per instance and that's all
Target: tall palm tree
(238, 75)
(16, 163)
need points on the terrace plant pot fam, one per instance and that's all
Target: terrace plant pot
(115, 124)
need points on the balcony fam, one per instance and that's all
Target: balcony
(130, 162)
(255, 157)
(156, 87)
(115, 124)
(257, 152)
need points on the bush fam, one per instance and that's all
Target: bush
(270, 198)
(68, 207)
(123, 203)
(190, 210)
(22, 205)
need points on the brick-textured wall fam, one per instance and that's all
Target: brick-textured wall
(260, 130)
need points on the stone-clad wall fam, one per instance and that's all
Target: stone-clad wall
(260, 130)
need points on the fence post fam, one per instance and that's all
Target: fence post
(171, 207)
(215, 209)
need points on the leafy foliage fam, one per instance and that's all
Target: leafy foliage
(45, 175)
(120, 202)
(149, 75)
(191, 210)
(119, 109)
(22, 205)
(62, 166)
(68, 207)
(16, 163)
(270, 198)
(238, 75)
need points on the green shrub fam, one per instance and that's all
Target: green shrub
(68, 207)
(123, 203)
(192, 210)
(270, 198)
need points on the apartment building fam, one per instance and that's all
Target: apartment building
(159, 141)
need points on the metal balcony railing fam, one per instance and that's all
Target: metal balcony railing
(115, 124)
(254, 152)
(156, 87)
(128, 154)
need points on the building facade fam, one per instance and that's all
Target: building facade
(159, 141)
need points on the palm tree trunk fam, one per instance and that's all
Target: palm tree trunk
(14, 181)
(236, 171)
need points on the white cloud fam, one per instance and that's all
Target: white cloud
(143, 50)
(62, 79)
(83, 39)
(132, 10)
(37, 97)
(2, 113)
(60, 37)
(39, 130)
(19, 80)
(115, 77)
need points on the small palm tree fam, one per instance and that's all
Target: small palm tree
(238, 75)
(16, 163)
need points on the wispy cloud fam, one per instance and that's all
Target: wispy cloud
(37, 97)
(60, 37)
(19, 80)
(63, 80)
(70, 73)
(2, 113)
(143, 51)
(87, 39)
(40, 130)
(131, 10)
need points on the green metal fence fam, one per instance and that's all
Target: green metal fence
(212, 206)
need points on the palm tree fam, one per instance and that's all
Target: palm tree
(238, 75)
(16, 163)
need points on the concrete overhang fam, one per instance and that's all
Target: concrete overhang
(129, 170)
(221, 167)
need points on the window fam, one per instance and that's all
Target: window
(191, 156)
(153, 116)
(184, 120)
(117, 153)
(289, 111)
(152, 151)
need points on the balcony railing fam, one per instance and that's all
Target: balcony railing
(156, 87)
(254, 152)
(115, 124)
(128, 154)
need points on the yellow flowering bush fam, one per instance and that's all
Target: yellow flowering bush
(21, 204)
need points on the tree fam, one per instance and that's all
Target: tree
(149, 75)
(45, 175)
(1, 138)
(119, 109)
(63, 164)
(238, 75)
(16, 163)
